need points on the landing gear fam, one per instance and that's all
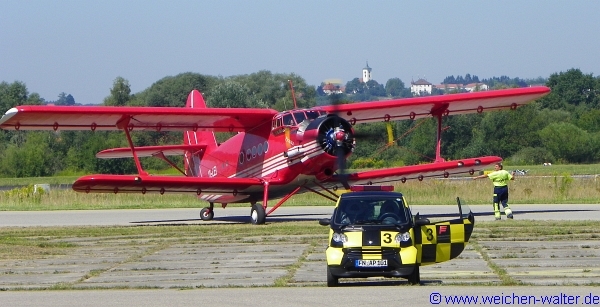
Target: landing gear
(415, 277)
(207, 213)
(257, 214)
(332, 281)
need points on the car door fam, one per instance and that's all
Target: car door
(444, 240)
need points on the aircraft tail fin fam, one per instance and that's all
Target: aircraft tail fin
(207, 138)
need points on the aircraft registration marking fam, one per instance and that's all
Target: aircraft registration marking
(212, 172)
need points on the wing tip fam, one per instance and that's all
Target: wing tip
(8, 115)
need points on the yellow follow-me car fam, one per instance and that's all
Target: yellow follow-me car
(373, 233)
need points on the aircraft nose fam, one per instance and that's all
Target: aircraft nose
(335, 134)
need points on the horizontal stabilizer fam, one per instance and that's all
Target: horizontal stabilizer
(150, 151)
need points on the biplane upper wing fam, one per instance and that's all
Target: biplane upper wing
(134, 118)
(452, 104)
(163, 184)
(438, 169)
(150, 151)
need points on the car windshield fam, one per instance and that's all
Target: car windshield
(362, 210)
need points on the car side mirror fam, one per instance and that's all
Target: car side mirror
(324, 222)
(422, 222)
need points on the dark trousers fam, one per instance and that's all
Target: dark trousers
(501, 195)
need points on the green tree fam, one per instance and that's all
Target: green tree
(394, 87)
(173, 91)
(355, 86)
(369, 140)
(506, 132)
(531, 155)
(34, 99)
(231, 94)
(590, 121)
(12, 95)
(568, 143)
(70, 100)
(570, 89)
(420, 143)
(62, 99)
(120, 93)
(507, 82)
(375, 89)
(273, 90)
(32, 159)
(460, 131)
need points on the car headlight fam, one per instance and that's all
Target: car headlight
(402, 237)
(340, 238)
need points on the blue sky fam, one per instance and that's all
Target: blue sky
(80, 47)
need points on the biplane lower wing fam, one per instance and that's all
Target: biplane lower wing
(149, 151)
(419, 172)
(164, 184)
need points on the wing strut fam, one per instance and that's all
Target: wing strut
(284, 200)
(335, 196)
(265, 194)
(123, 123)
(438, 144)
(322, 194)
(162, 156)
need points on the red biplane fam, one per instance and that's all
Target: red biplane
(274, 155)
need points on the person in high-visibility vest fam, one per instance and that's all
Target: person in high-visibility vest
(500, 180)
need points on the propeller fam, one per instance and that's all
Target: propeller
(337, 139)
(336, 136)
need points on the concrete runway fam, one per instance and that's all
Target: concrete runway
(311, 296)
(244, 274)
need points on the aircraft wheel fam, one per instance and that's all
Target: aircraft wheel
(332, 281)
(257, 214)
(206, 214)
(415, 277)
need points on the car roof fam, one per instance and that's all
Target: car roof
(372, 194)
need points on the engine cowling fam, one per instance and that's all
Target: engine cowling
(335, 137)
(332, 133)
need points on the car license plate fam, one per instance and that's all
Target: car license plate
(370, 263)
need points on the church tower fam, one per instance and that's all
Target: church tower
(366, 73)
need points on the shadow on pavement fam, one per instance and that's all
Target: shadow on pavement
(244, 219)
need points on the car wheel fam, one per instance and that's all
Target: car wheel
(332, 281)
(415, 277)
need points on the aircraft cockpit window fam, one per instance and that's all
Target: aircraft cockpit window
(312, 114)
(277, 122)
(288, 120)
(299, 116)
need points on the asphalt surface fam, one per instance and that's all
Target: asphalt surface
(245, 274)
(242, 215)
